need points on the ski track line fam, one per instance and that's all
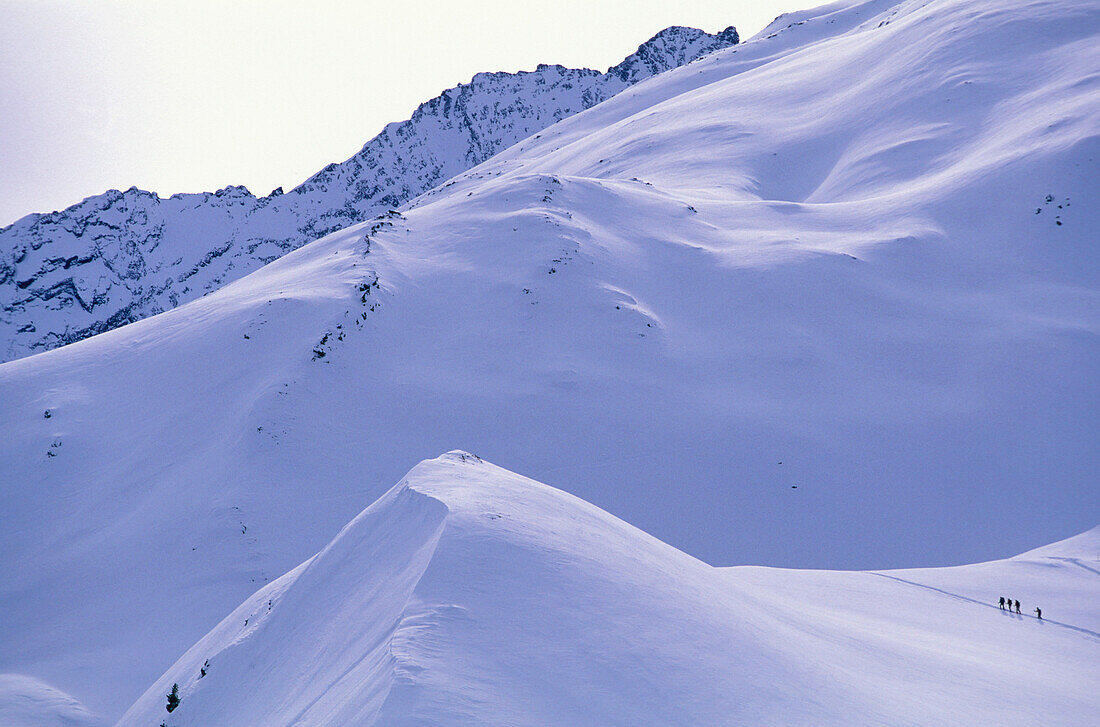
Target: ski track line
(1085, 631)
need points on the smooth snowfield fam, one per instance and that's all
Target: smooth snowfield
(468, 595)
(805, 302)
(27, 702)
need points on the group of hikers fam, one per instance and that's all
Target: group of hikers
(1008, 603)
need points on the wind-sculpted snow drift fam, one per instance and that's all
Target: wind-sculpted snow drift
(468, 595)
(122, 256)
(27, 702)
(827, 298)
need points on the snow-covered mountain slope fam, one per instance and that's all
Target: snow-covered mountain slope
(27, 702)
(824, 299)
(468, 595)
(122, 256)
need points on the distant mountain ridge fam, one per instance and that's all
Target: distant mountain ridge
(120, 256)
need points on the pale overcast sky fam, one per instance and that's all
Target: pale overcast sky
(192, 96)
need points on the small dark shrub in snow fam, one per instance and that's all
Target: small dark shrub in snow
(173, 698)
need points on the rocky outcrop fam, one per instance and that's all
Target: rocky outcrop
(122, 256)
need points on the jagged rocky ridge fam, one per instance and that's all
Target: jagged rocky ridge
(122, 256)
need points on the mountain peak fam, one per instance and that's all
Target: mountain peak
(474, 595)
(58, 286)
(670, 48)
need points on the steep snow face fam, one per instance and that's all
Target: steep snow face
(468, 595)
(122, 256)
(852, 324)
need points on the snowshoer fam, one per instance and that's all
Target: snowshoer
(1038, 613)
(1017, 607)
(1002, 604)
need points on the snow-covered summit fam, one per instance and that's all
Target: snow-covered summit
(671, 48)
(469, 595)
(122, 256)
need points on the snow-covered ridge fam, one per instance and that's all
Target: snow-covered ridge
(28, 702)
(469, 595)
(122, 256)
